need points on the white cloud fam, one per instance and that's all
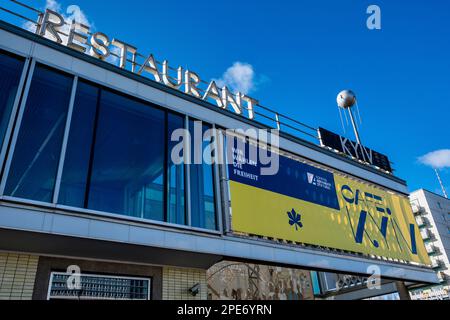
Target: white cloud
(239, 77)
(73, 12)
(53, 5)
(29, 26)
(438, 159)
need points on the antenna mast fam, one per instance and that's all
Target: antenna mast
(440, 182)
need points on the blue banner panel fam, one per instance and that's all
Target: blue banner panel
(293, 179)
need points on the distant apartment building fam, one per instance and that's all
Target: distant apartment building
(433, 218)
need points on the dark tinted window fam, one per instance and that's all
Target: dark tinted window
(203, 213)
(128, 159)
(76, 166)
(118, 160)
(37, 152)
(10, 71)
(175, 176)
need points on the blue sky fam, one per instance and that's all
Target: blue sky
(302, 53)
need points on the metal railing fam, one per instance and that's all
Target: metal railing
(417, 209)
(426, 234)
(437, 264)
(422, 221)
(262, 114)
(431, 249)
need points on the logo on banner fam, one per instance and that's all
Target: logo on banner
(295, 219)
(318, 181)
(311, 179)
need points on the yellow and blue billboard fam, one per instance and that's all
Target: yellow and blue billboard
(305, 204)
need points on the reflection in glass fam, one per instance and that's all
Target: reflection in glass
(36, 155)
(76, 166)
(128, 159)
(203, 213)
(10, 70)
(176, 212)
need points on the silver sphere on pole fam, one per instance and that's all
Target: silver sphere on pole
(346, 99)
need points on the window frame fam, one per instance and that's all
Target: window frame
(186, 174)
(18, 125)
(93, 275)
(26, 70)
(93, 143)
(215, 174)
(17, 118)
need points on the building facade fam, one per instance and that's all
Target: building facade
(94, 206)
(230, 280)
(433, 218)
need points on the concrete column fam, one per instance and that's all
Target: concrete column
(402, 290)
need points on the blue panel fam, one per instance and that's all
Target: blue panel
(294, 179)
(412, 232)
(315, 283)
(361, 227)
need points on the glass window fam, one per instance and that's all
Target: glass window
(99, 287)
(11, 70)
(118, 160)
(203, 213)
(176, 212)
(127, 159)
(76, 166)
(36, 155)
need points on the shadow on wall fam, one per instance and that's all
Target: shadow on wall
(241, 281)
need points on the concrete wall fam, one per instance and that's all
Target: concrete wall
(49, 264)
(240, 281)
(17, 276)
(26, 277)
(178, 281)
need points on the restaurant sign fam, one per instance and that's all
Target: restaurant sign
(100, 45)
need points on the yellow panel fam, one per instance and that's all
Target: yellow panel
(261, 212)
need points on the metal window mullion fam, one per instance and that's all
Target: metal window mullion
(17, 129)
(187, 161)
(149, 293)
(166, 183)
(224, 184)
(13, 114)
(143, 195)
(92, 148)
(218, 190)
(65, 140)
(49, 290)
